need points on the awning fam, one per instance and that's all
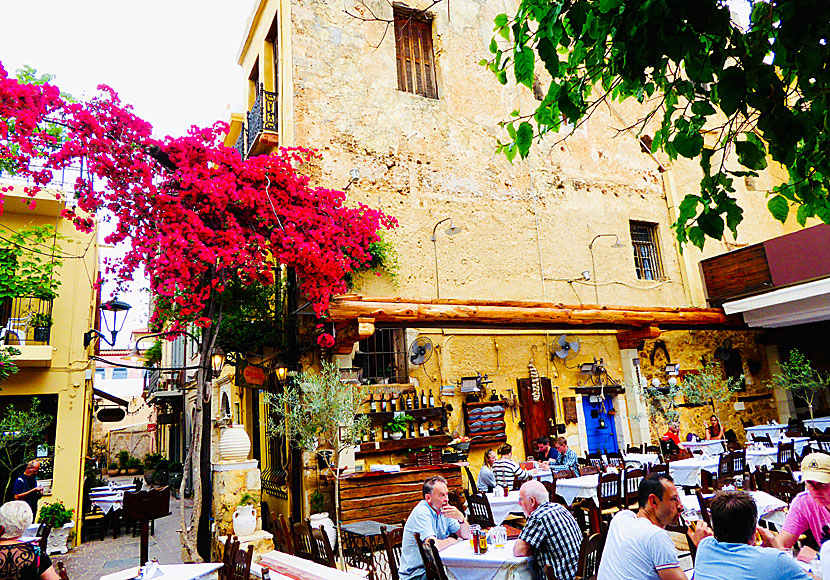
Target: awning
(800, 304)
(108, 397)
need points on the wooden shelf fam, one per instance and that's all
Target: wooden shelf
(387, 416)
(488, 441)
(390, 446)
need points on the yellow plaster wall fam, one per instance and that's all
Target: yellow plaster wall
(72, 315)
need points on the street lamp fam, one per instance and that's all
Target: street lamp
(217, 361)
(450, 231)
(114, 308)
(616, 244)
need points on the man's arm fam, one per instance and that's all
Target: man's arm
(446, 542)
(22, 495)
(672, 574)
(522, 548)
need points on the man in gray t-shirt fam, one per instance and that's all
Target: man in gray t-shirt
(638, 546)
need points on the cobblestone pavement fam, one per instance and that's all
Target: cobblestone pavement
(96, 558)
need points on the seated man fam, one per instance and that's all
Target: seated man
(505, 469)
(638, 546)
(551, 535)
(435, 518)
(567, 458)
(732, 553)
(809, 509)
(544, 451)
(670, 442)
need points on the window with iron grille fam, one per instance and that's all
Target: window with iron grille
(413, 48)
(646, 251)
(382, 356)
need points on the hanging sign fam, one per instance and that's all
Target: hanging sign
(251, 376)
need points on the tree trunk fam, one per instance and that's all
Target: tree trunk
(337, 503)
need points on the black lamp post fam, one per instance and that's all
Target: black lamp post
(113, 308)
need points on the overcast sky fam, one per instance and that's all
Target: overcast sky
(173, 60)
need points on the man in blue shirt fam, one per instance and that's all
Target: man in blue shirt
(567, 458)
(731, 553)
(544, 451)
(435, 518)
(25, 487)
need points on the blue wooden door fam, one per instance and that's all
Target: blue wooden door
(599, 426)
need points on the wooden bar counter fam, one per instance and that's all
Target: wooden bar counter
(389, 497)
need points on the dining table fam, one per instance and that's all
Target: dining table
(687, 471)
(584, 486)
(206, 571)
(107, 501)
(113, 487)
(708, 447)
(774, 430)
(501, 506)
(462, 563)
(821, 423)
(770, 508)
(640, 460)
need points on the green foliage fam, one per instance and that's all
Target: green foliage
(755, 92)
(246, 499)
(7, 366)
(21, 432)
(384, 258)
(41, 320)
(28, 262)
(798, 375)
(318, 411)
(134, 463)
(709, 385)
(55, 514)
(251, 317)
(153, 356)
(151, 460)
(399, 423)
(176, 466)
(661, 402)
(316, 501)
(123, 458)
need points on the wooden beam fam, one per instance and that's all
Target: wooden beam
(633, 338)
(349, 332)
(523, 314)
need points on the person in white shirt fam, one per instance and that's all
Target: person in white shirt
(638, 546)
(505, 469)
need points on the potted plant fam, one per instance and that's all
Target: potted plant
(320, 518)
(41, 323)
(162, 472)
(151, 460)
(176, 474)
(112, 469)
(133, 466)
(59, 517)
(244, 518)
(397, 426)
(123, 459)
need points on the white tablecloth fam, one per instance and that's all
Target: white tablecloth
(574, 487)
(541, 474)
(708, 447)
(770, 508)
(774, 430)
(820, 423)
(502, 506)
(497, 564)
(640, 459)
(107, 503)
(116, 487)
(755, 458)
(173, 572)
(687, 471)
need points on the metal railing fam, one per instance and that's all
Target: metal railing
(28, 320)
(240, 143)
(61, 178)
(262, 116)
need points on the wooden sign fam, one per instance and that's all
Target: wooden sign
(254, 375)
(569, 410)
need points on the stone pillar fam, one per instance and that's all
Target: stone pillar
(635, 405)
(231, 480)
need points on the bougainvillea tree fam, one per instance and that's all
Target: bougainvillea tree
(195, 215)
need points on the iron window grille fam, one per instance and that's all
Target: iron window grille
(647, 261)
(382, 356)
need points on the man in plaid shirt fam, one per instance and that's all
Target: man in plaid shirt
(567, 458)
(551, 535)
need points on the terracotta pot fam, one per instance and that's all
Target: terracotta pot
(234, 444)
(112, 472)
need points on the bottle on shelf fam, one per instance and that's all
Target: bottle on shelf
(408, 403)
(383, 402)
(431, 400)
(416, 404)
(400, 406)
(385, 434)
(373, 405)
(423, 399)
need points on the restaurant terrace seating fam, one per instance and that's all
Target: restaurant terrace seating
(392, 540)
(786, 454)
(704, 508)
(325, 555)
(590, 554)
(763, 440)
(441, 572)
(596, 460)
(305, 546)
(472, 485)
(616, 459)
(584, 470)
(427, 559)
(480, 511)
(241, 564)
(634, 448)
(282, 534)
(231, 547)
(632, 479)
(658, 468)
(823, 442)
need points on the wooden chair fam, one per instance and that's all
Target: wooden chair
(94, 521)
(782, 484)
(590, 553)
(763, 440)
(738, 457)
(427, 559)
(392, 541)
(658, 468)
(652, 449)
(228, 554)
(62, 574)
(43, 535)
(305, 546)
(480, 511)
(632, 479)
(584, 470)
(633, 448)
(436, 558)
(267, 524)
(277, 531)
(325, 555)
(241, 564)
(724, 466)
(616, 459)
(823, 442)
(704, 508)
(786, 454)
(596, 460)
(567, 473)
(472, 485)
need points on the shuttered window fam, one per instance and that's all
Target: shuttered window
(413, 47)
(646, 251)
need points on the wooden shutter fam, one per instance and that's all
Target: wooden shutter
(415, 62)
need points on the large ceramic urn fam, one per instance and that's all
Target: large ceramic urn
(234, 444)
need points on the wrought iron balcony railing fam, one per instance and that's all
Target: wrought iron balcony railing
(262, 117)
(240, 143)
(28, 320)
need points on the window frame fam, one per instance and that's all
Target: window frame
(415, 73)
(651, 247)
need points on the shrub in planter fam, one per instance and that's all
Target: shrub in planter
(112, 469)
(133, 465)
(123, 459)
(55, 514)
(41, 324)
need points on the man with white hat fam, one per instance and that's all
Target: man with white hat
(809, 509)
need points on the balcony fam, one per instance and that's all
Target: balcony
(28, 326)
(162, 387)
(262, 126)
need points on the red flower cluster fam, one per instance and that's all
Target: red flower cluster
(325, 340)
(194, 213)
